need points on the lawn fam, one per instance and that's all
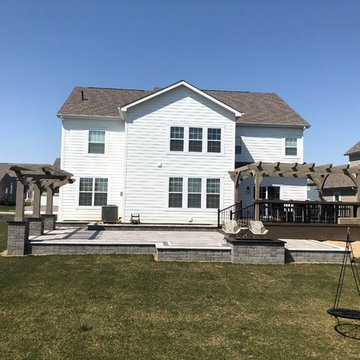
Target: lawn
(131, 307)
(7, 208)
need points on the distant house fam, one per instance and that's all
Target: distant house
(339, 187)
(166, 154)
(8, 185)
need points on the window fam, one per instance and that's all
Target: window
(93, 191)
(96, 142)
(214, 140)
(337, 197)
(194, 193)
(195, 139)
(176, 138)
(291, 146)
(212, 193)
(175, 192)
(269, 192)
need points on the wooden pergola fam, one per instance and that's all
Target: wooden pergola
(40, 178)
(318, 174)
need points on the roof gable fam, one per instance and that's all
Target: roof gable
(255, 108)
(174, 86)
(354, 149)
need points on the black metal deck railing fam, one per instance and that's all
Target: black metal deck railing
(305, 211)
(289, 212)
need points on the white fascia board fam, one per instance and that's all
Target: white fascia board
(88, 117)
(189, 86)
(294, 126)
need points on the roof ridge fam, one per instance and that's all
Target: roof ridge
(106, 88)
(241, 91)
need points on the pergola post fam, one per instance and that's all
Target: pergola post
(37, 199)
(20, 199)
(257, 181)
(49, 200)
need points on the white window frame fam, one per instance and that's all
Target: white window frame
(198, 140)
(186, 140)
(194, 193)
(185, 193)
(175, 192)
(105, 153)
(92, 206)
(291, 147)
(177, 139)
(334, 197)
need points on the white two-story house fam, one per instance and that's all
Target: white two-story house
(166, 154)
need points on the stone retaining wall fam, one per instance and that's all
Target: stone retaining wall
(314, 256)
(187, 254)
(257, 251)
(71, 249)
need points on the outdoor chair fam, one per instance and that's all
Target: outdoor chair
(135, 218)
(257, 228)
(232, 228)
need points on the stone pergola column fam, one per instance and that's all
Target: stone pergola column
(18, 230)
(49, 217)
(36, 223)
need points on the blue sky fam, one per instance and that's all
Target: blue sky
(306, 51)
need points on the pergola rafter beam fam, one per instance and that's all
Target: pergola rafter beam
(40, 177)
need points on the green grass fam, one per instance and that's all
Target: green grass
(7, 208)
(3, 235)
(131, 307)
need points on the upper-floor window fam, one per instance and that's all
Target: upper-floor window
(96, 142)
(195, 139)
(176, 138)
(214, 140)
(93, 191)
(291, 146)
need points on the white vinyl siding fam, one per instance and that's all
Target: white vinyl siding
(150, 163)
(268, 144)
(76, 160)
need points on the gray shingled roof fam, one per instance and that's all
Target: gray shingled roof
(338, 181)
(354, 149)
(258, 108)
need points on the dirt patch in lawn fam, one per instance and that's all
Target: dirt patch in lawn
(355, 245)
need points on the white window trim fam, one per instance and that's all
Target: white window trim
(338, 195)
(88, 207)
(105, 154)
(293, 147)
(185, 207)
(186, 151)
